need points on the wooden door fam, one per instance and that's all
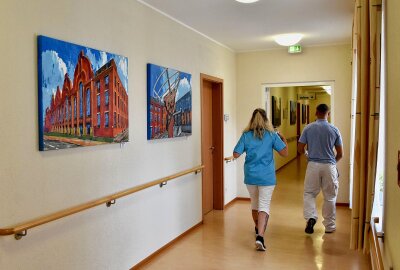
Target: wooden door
(207, 147)
(298, 124)
(212, 143)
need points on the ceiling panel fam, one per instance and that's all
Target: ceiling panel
(247, 27)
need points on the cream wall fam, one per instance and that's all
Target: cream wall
(315, 64)
(35, 183)
(319, 99)
(392, 190)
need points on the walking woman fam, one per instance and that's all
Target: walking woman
(258, 142)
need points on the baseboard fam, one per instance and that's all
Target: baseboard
(287, 163)
(229, 204)
(157, 252)
(242, 199)
(341, 204)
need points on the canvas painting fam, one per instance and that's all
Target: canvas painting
(303, 113)
(169, 103)
(285, 111)
(293, 113)
(276, 111)
(83, 96)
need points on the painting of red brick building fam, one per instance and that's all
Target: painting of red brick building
(83, 96)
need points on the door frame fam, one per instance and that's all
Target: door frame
(218, 135)
(331, 83)
(265, 97)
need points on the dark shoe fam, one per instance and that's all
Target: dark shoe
(255, 228)
(330, 230)
(260, 246)
(310, 226)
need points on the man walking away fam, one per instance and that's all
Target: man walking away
(321, 139)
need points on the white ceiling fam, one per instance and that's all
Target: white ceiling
(248, 27)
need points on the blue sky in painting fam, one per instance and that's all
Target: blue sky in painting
(60, 57)
(156, 71)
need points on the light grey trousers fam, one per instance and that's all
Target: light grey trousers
(320, 176)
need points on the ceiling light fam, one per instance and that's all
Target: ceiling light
(246, 1)
(288, 39)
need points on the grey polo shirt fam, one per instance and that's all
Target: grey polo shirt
(321, 137)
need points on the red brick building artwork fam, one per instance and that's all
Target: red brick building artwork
(158, 117)
(92, 104)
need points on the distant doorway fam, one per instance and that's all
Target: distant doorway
(291, 106)
(212, 144)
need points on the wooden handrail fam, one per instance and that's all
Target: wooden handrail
(376, 255)
(229, 159)
(291, 139)
(20, 230)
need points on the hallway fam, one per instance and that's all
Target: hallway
(226, 240)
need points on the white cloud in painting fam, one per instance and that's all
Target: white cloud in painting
(97, 62)
(183, 89)
(53, 72)
(103, 59)
(122, 64)
(71, 70)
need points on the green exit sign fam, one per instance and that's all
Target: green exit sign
(294, 49)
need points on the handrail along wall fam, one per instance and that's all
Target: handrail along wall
(21, 229)
(375, 250)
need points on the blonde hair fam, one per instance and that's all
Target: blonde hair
(259, 123)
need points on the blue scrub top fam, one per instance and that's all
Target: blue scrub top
(259, 166)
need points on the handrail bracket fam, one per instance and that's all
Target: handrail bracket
(109, 203)
(21, 234)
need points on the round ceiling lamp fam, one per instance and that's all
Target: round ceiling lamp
(288, 39)
(247, 1)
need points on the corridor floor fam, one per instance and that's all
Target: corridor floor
(226, 240)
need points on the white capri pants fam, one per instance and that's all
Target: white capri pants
(260, 197)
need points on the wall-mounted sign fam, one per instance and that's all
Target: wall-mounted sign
(306, 96)
(294, 49)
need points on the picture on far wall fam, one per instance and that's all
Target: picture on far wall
(293, 113)
(169, 103)
(276, 111)
(83, 96)
(285, 111)
(303, 113)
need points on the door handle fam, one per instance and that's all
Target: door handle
(212, 148)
